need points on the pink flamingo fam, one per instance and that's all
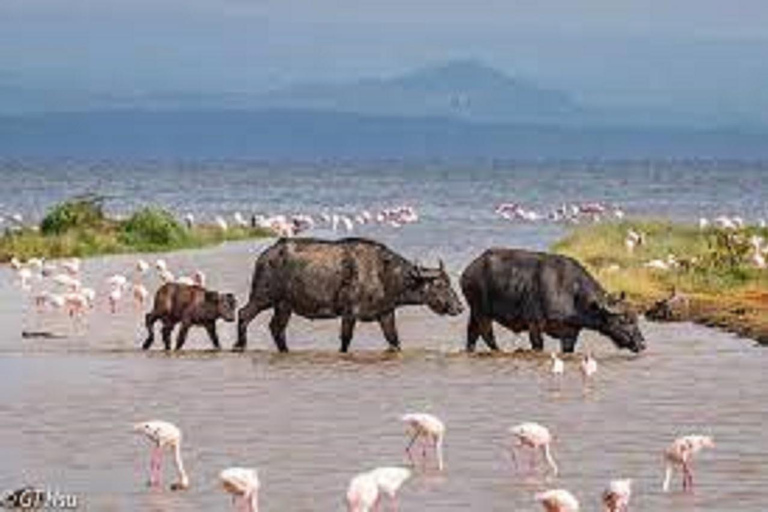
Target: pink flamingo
(243, 484)
(430, 430)
(163, 434)
(680, 453)
(535, 437)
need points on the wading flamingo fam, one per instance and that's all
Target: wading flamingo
(558, 367)
(243, 484)
(536, 437)
(430, 430)
(588, 365)
(679, 454)
(163, 434)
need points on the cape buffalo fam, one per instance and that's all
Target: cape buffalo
(190, 305)
(354, 278)
(543, 294)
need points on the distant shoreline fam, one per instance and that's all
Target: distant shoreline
(710, 280)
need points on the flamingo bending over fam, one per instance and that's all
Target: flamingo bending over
(243, 484)
(536, 437)
(163, 434)
(430, 430)
(679, 454)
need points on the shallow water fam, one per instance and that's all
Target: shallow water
(312, 419)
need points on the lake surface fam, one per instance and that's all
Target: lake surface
(312, 419)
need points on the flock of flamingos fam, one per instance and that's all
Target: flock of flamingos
(60, 287)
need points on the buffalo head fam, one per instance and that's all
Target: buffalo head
(619, 323)
(227, 306)
(433, 287)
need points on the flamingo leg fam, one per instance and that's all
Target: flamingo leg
(153, 466)
(393, 503)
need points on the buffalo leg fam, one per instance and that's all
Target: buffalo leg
(166, 333)
(277, 326)
(149, 321)
(389, 329)
(568, 344)
(211, 328)
(480, 326)
(245, 316)
(181, 338)
(486, 331)
(347, 330)
(537, 338)
(473, 332)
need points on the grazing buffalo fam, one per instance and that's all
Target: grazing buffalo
(543, 294)
(353, 278)
(190, 305)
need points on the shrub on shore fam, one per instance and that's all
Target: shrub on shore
(79, 227)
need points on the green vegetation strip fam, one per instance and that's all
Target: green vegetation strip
(80, 227)
(713, 274)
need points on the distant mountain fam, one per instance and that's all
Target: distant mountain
(312, 135)
(462, 89)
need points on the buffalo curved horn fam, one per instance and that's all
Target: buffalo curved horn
(441, 265)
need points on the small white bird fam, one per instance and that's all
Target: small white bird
(243, 484)
(362, 493)
(72, 266)
(140, 295)
(166, 276)
(163, 434)
(114, 298)
(161, 265)
(557, 500)
(430, 431)
(142, 266)
(189, 220)
(221, 223)
(117, 281)
(616, 497)
(67, 281)
(558, 367)
(185, 280)
(240, 220)
(588, 365)
(679, 455)
(198, 278)
(389, 480)
(536, 437)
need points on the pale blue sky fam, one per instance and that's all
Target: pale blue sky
(692, 54)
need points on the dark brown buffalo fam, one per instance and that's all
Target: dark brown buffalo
(542, 294)
(188, 305)
(354, 278)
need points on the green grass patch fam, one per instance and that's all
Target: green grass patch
(710, 262)
(81, 228)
